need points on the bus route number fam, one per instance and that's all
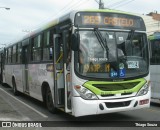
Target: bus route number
(91, 20)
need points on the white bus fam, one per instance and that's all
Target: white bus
(84, 63)
(155, 66)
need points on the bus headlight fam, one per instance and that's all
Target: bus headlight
(85, 93)
(144, 90)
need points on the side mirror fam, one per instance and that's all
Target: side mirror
(75, 41)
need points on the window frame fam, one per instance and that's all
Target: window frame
(36, 47)
(49, 46)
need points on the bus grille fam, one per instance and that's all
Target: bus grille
(116, 87)
(117, 104)
(110, 95)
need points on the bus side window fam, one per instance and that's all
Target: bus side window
(14, 54)
(19, 52)
(47, 45)
(155, 52)
(9, 55)
(36, 48)
(6, 60)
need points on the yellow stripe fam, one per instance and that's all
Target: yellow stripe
(61, 55)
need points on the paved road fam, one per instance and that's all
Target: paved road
(24, 108)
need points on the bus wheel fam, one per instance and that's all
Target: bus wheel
(49, 101)
(16, 93)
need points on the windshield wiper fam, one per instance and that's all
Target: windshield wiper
(131, 36)
(103, 43)
(101, 40)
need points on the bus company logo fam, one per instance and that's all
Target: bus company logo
(6, 124)
(118, 80)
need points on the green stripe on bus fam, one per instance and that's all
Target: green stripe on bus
(151, 37)
(97, 91)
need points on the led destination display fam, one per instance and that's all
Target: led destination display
(109, 20)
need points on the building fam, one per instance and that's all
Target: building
(152, 21)
(154, 15)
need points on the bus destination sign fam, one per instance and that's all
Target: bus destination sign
(109, 20)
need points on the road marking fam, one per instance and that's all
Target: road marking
(40, 113)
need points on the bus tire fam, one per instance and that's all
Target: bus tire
(49, 101)
(16, 93)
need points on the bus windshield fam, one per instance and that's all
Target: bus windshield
(126, 55)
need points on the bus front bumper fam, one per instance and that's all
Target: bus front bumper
(83, 107)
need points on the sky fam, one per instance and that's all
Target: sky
(27, 15)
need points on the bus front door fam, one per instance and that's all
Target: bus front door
(61, 74)
(58, 73)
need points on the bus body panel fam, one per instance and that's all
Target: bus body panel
(38, 74)
(18, 75)
(8, 74)
(14, 71)
(88, 107)
(155, 81)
